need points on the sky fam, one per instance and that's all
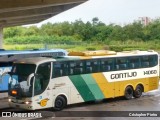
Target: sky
(110, 11)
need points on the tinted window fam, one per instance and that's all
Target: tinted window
(145, 61)
(76, 67)
(121, 64)
(95, 65)
(88, 67)
(59, 69)
(102, 65)
(23, 69)
(149, 61)
(107, 64)
(42, 80)
(134, 62)
(44, 70)
(153, 60)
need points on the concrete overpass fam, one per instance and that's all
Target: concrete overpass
(22, 12)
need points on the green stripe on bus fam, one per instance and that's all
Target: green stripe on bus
(91, 83)
(82, 87)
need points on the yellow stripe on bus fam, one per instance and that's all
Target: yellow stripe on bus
(106, 87)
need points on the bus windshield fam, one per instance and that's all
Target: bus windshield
(23, 69)
(18, 84)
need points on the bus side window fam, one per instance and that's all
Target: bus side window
(60, 69)
(145, 61)
(95, 65)
(57, 71)
(134, 62)
(64, 69)
(71, 70)
(76, 67)
(153, 60)
(88, 67)
(106, 65)
(121, 64)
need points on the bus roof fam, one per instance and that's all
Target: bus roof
(12, 55)
(112, 54)
(38, 60)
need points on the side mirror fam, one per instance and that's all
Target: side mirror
(29, 78)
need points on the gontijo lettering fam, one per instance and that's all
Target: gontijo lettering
(123, 75)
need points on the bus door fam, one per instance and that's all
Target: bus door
(42, 92)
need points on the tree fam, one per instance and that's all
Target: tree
(95, 21)
(13, 31)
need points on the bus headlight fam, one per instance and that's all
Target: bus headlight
(9, 100)
(28, 102)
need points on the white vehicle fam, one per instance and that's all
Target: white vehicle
(42, 82)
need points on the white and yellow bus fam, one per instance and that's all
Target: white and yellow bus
(42, 82)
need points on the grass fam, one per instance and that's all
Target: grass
(113, 45)
(52, 46)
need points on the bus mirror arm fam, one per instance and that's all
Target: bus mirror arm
(29, 78)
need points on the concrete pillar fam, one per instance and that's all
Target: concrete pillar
(1, 37)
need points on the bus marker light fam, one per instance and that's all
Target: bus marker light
(14, 92)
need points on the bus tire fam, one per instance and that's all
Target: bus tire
(60, 103)
(128, 93)
(138, 91)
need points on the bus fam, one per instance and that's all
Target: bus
(7, 57)
(44, 82)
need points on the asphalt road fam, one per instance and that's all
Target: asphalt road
(107, 109)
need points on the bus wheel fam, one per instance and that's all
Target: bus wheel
(138, 91)
(128, 93)
(60, 103)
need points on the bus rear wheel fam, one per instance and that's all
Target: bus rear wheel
(128, 93)
(138, 91)
(60, 103)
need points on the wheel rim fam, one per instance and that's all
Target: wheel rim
(138, 91)
(129, 92)
(59, 103)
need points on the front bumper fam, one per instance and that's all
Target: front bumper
(21, 106)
